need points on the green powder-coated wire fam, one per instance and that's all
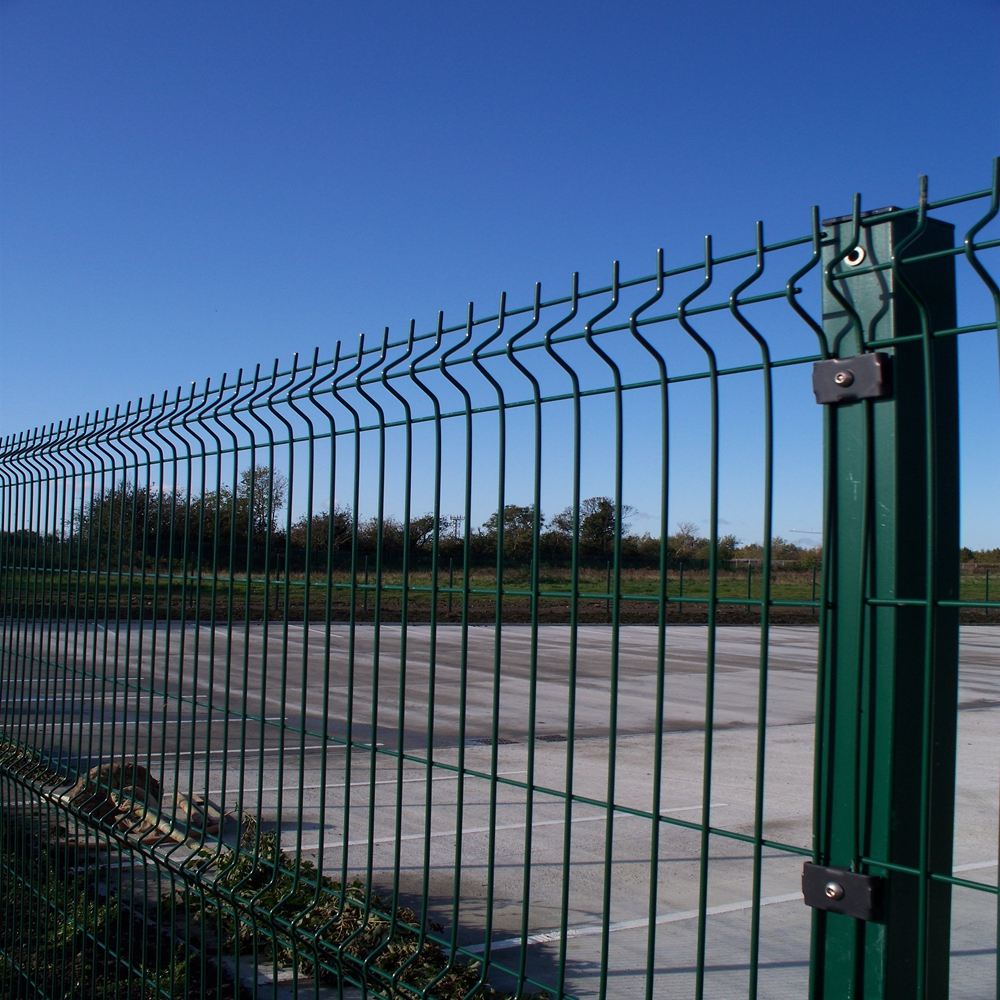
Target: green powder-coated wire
(228, 591)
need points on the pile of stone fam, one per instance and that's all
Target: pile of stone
(127, 798)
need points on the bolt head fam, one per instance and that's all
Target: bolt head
(843, 378)
(833, 890)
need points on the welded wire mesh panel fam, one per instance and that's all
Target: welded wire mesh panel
(481, 661)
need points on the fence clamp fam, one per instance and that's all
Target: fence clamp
(841, 891)
(843, 380)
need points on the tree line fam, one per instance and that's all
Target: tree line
(234, 527)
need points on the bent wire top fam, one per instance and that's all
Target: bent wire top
(400, 360)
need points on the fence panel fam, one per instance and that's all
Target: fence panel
(471, 663)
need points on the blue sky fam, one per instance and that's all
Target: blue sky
(188, 188)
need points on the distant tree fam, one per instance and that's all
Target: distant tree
(785, 550)
(597, 524)
(518, 530)
(685, 544)
(260, 494)
(421, 535)
(137, 516)
(324, 527)
(422, 532)
(781, 549)
(645, 547)
(728, 544)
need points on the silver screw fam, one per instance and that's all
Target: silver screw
(834, 890)
(843, 378)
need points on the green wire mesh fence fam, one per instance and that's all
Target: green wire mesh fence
(392, 673)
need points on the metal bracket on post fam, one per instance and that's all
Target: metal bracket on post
(843, 380)
(839, 890)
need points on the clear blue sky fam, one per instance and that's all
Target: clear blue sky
(188, 188)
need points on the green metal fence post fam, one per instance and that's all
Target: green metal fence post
(886, 759)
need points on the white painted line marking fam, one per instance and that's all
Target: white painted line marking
(364, 784)
(253, 751)
(9, 701)
(972, 866)
(628, 925)
(232, 720)
(486, 829)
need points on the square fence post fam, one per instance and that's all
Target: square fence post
(886, 751)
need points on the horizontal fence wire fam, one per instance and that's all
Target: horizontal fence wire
(300, 682)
